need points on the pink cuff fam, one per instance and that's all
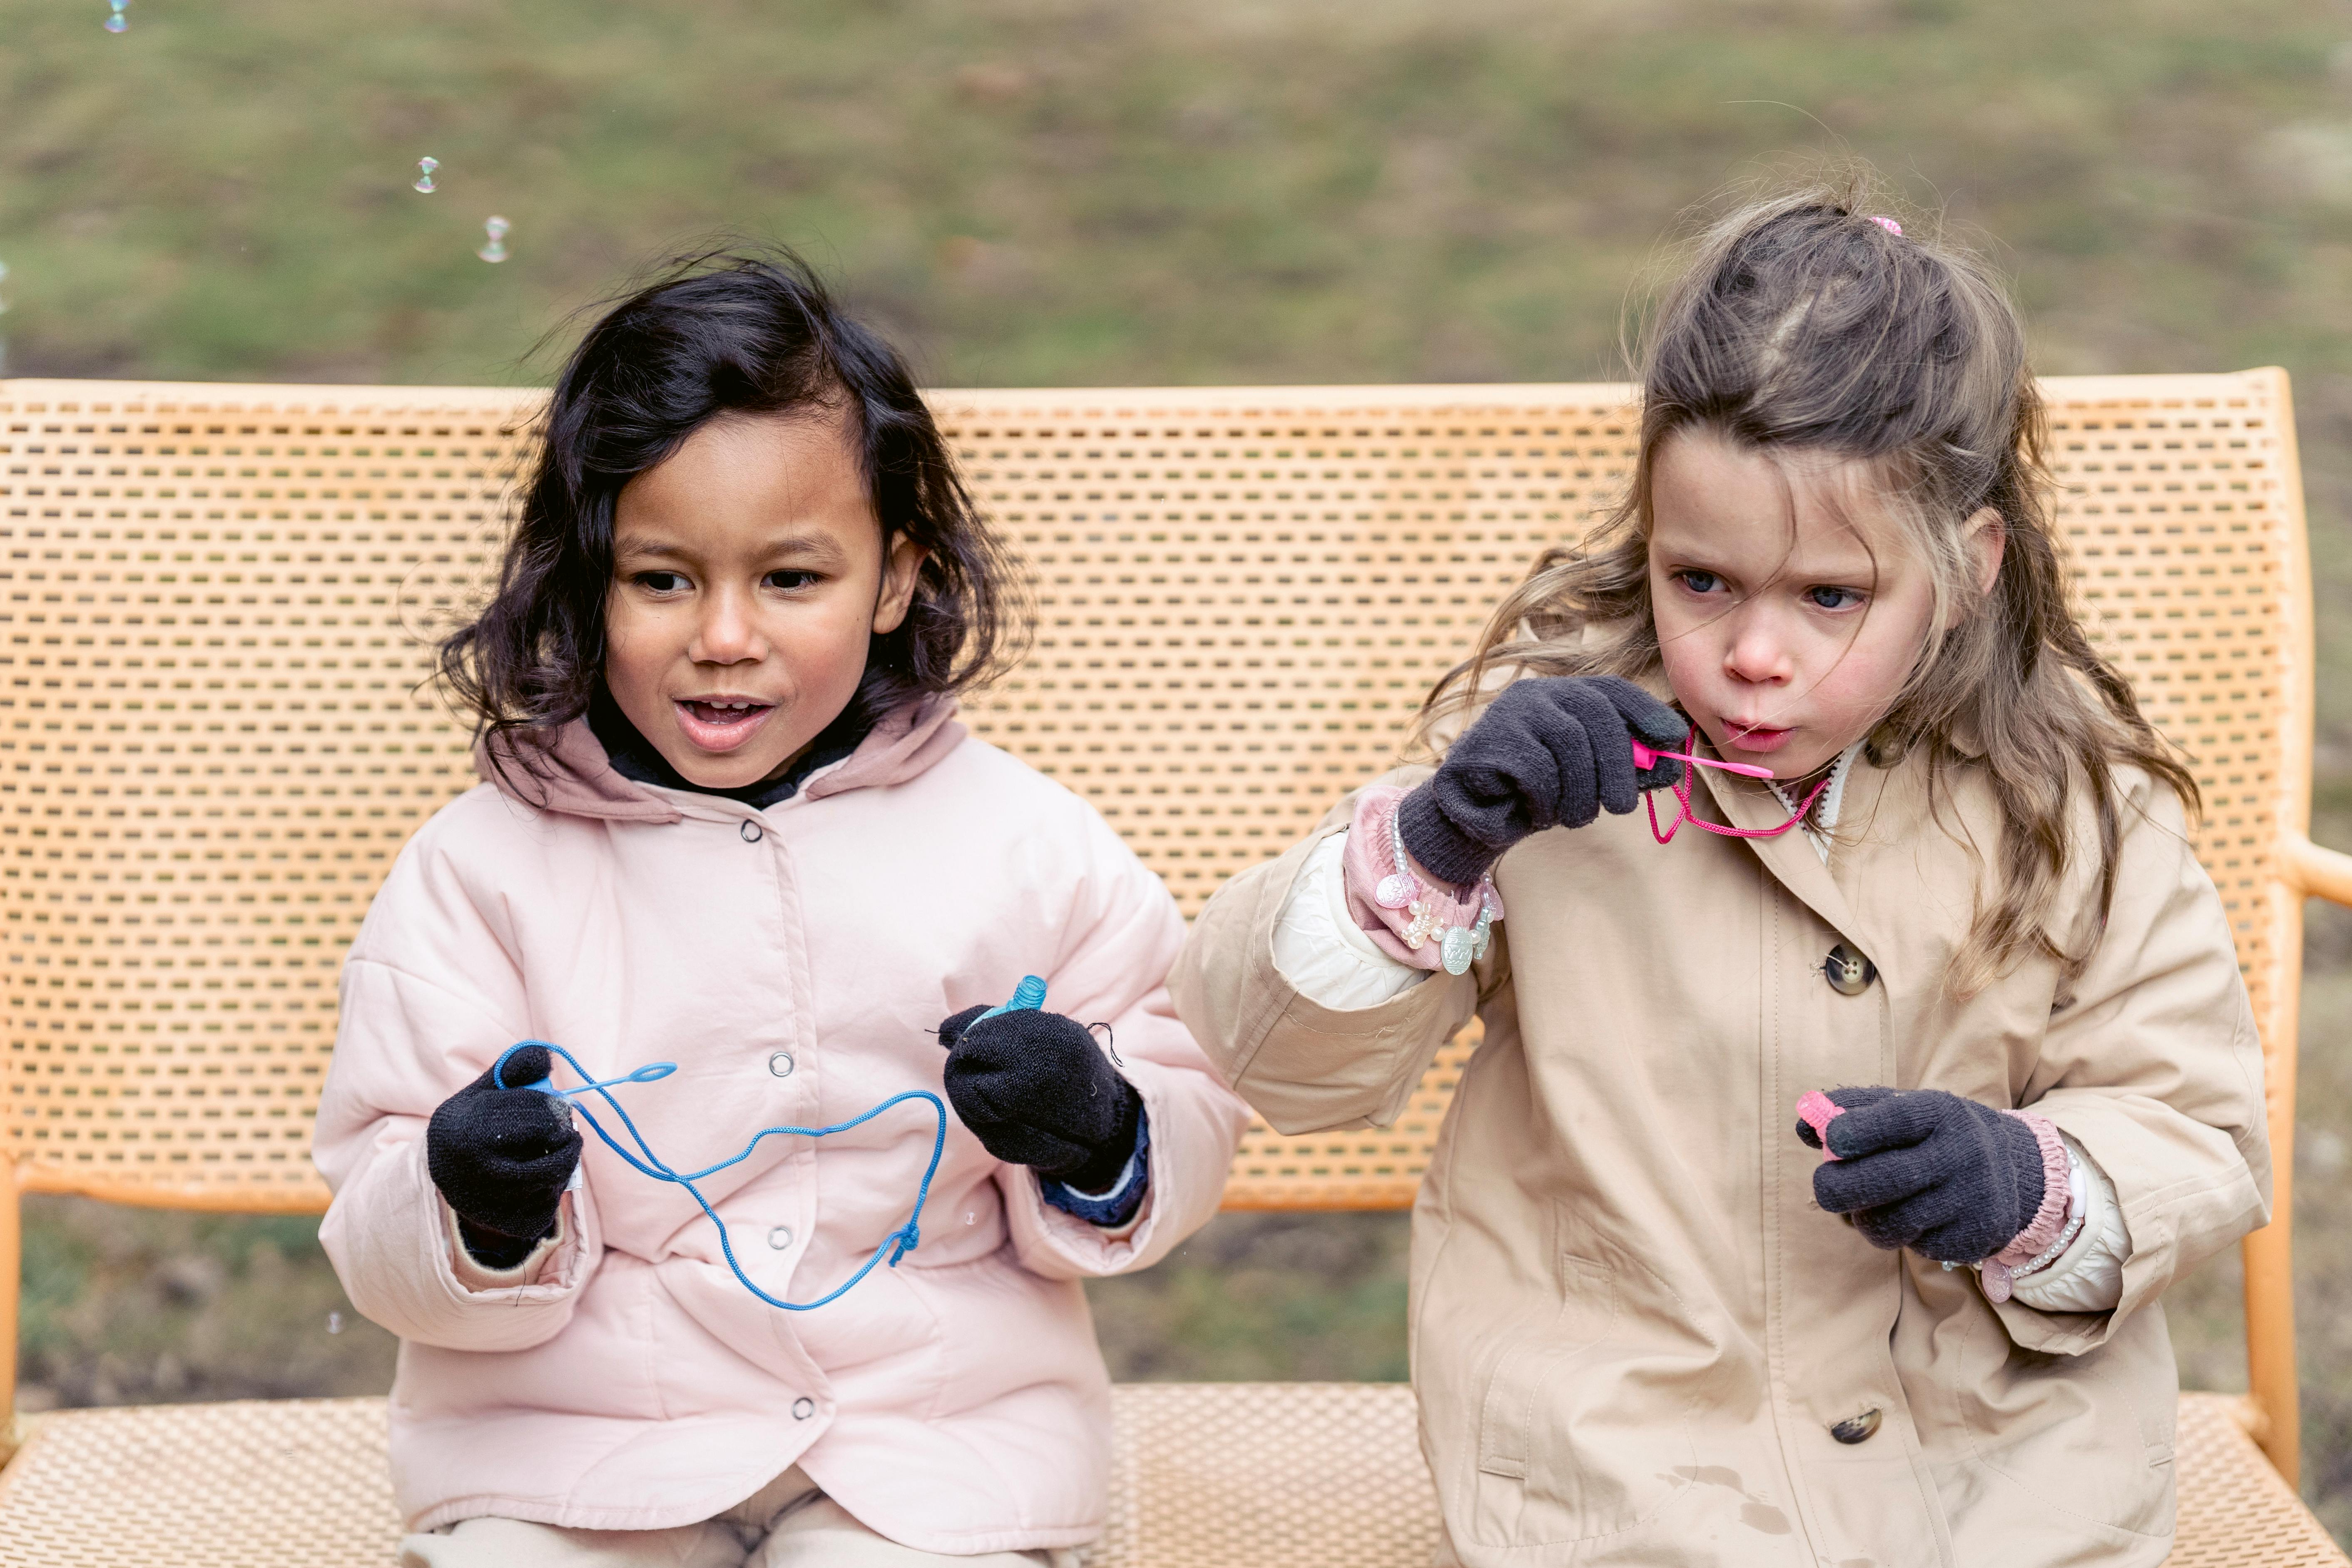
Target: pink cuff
(2049, 1222)
(1371, 858)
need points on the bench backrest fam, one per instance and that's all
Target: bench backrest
(212, 741)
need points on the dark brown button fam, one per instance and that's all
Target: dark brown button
(1856, 1428)
(1848, 972)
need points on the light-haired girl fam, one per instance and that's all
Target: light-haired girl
(1927, 898)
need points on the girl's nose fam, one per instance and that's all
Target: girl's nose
(727, 632)
(1756, 654)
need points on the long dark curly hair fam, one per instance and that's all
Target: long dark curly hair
(724, 332)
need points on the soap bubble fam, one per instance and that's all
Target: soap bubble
(425, 167)
(495, 250)
(334, 1322)
(118, 22)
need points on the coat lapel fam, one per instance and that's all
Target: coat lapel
(1791, 858)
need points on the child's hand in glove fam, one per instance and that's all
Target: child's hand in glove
(1949, 1178)
(502, 1158)
(1549, 752)
(1036, 1090)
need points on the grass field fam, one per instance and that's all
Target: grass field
(1047, 192)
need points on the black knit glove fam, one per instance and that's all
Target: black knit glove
(502, 1158)
(1547, 752)
(1035, 1089)
(1949, 1178)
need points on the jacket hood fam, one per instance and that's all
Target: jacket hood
(576, 777)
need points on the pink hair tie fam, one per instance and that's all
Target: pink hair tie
(1888, 224)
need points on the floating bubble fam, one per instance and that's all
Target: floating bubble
(118, 22)
(425, 167)
(334, 1322)
(495, 250)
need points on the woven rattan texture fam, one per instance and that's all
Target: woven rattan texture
(2235, 1511)
(302, 1483)
(1204, 1475)
(210, 743)
(210, 750)
(1254, 1475)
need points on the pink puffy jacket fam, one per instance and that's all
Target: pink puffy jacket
(795, 963)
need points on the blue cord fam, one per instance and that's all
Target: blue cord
(1030, 993)
(906, 1238)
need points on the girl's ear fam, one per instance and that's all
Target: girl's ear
(899, 570)
(1988, 537)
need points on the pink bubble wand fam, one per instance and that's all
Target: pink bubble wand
(1646, 757)
(1649, 756)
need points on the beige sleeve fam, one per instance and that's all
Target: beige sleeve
(1305, 1067)
(2152, 1066)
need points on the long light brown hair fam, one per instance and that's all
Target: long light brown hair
(1803, 326)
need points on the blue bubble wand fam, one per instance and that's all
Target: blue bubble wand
(1030, 995)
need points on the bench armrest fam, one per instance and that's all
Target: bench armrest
(2320, 872)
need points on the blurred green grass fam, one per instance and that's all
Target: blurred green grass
(1083, 191)
(1059, 192)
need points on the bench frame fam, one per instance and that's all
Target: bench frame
(178, 470)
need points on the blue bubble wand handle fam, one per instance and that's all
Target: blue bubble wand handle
(1027, 997)
(897, 1244)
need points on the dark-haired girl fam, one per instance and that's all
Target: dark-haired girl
(731, 823)
(1812, 1193)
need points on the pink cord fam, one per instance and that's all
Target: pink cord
(1681, 793)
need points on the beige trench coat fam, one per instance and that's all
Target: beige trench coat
(1632, 1329)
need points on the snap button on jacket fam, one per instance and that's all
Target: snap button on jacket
(1635, 1339)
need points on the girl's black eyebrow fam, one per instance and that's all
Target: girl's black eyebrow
(816, 544)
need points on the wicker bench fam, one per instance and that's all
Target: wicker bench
(213, 746)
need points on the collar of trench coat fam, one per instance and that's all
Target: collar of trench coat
(1879, 805)
(1790, 856)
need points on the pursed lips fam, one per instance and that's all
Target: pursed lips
(1753, 737)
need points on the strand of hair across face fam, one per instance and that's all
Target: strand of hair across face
(897, 1244)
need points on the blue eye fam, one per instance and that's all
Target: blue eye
(1699, 582)
(1828, 598)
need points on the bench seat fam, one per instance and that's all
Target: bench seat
(1207, 1475)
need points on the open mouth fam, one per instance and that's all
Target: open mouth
(721, 723)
